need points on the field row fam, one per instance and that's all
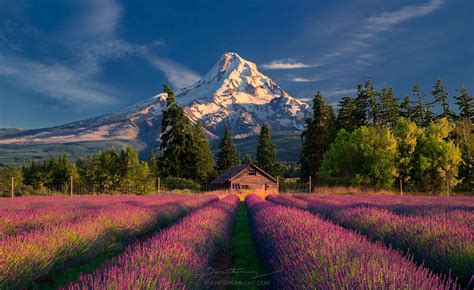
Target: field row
(443, 242)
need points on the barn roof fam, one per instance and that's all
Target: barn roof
(231, 173)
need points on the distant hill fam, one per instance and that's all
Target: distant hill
(4, 131)
(288, 148)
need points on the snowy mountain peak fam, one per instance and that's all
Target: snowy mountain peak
(233, 94)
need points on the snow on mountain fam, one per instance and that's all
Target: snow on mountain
(233, 94)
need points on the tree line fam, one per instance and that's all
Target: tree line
(371, 140)
(375, 140)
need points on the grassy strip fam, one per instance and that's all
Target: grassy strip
(247, 270)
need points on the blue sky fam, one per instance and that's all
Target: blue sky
(62, 61)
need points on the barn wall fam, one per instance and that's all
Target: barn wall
(255, 182)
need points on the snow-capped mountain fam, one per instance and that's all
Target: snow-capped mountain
(233, 94)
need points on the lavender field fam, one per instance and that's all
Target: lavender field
(202, 241)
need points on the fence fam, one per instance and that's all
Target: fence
(11, 187)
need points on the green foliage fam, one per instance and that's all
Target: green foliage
(464, 139)
(389, 109)
(177, 183)
(437, 159)
(6, 175)
(112, 172)
(367, 109)
(465, 103)
(54, 171)
(203, 164)
(441, 97)
(365, 157)
(407, 134)
(319, 133)
(346, 114)
(265, 157)
(177, 141)
(227, 157)
(419, 109)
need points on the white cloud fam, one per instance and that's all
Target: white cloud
(366, 35)
(285, 64)
(338, 92)
(305, 80)
(100, 18)
(54, 80)
(387, 20)
(178, 75)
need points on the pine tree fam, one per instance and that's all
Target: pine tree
(345, 116)
(428, 116)
(418, 110)
(319, 133)
(227, 157)
(367, 108)
(389, 109)
(265, 157)
(176, 140)
(441, 97)
(405, 108)
(465, 103)
(203, 164)
(247, 159)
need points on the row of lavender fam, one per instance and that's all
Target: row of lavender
(305, 252)
(441, 240)
(31, 213)
(176, 258)
(47, 238)
(407, 204)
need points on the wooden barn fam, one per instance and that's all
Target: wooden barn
(246, 177)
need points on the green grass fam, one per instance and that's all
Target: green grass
(246, 263)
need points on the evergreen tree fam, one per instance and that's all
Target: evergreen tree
(203, 165)
(405, 108)
(265, 157)
(176, 140)
(389, 109)
(465, 103)
(247, 159)
(418, 110)
(346, 114)
(319, 133)
(441, 97)
(367, 108)
(227, 157)
(428, 116)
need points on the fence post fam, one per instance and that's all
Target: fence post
(13, 187)
(447, 184)
(310, 187)
(158, 184)
(71, 187)
(401, 187)
(278, 184)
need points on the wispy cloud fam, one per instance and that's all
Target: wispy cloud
(286, 64)
(304, 80)
(100, 18)
(178, 75)
(338, 92)
(361, 49)
(386, 20)
(54, 80)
